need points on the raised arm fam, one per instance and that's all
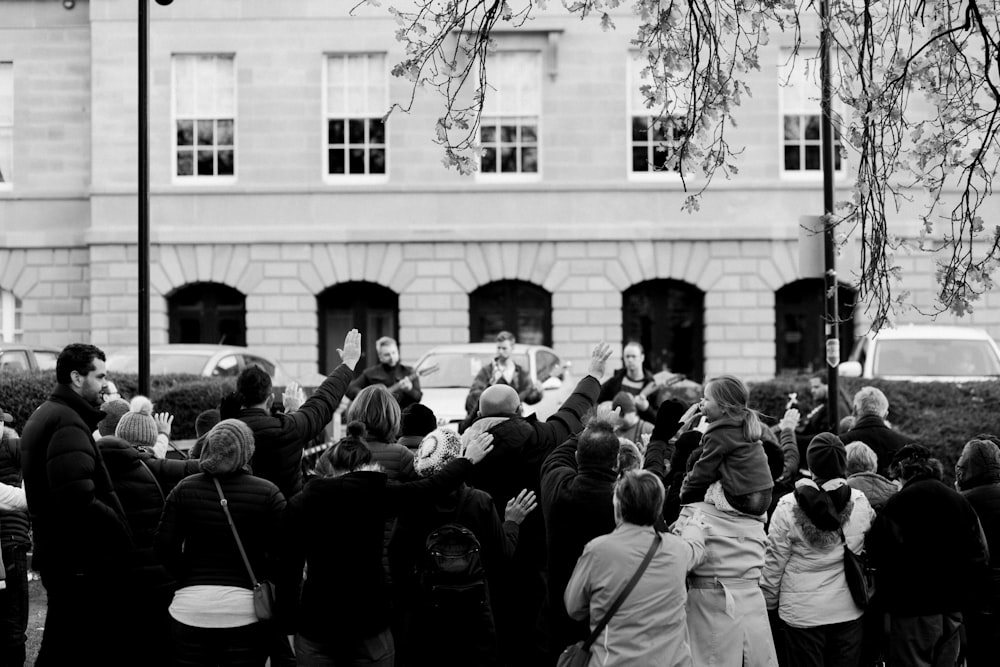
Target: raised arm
(317, 411)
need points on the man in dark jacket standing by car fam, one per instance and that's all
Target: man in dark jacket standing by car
(82, 540)
(520, 445)
(871, 407)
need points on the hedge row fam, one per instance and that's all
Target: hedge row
(941, 416)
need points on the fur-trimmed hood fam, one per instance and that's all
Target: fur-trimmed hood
(814, 535)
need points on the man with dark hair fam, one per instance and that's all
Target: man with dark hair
(503, 371)
(403, 383)
(280, 438)
(635, 379)
(927, 546)
(82, 540)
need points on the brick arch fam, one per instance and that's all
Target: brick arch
(486, 263)
(16, 276)
(180, 265)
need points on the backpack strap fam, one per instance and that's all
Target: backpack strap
(624, 594)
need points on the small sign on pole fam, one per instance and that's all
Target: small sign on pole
(833, 352)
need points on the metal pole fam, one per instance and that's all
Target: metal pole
(830, 257)
(143, 304)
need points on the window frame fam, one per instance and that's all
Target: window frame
(195, 179)
(8, 183)
(11, 314)
(326, 116)
(633, 68)
(787, 108)
(518, 176)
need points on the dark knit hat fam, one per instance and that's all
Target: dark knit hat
(625, 402)
(137, 426)
(436, 450)
(827, 457)
(912, 452)
(205, 420)
(114, 409)
(417, 419)
(979, 464)
(228, 447)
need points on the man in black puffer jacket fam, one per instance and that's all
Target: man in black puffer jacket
(520, 446)
(280, 438)
(82, 541)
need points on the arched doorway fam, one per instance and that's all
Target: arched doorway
(800, 332)
(368, 307)
(207, 313)
(668, 318)
(523, 308)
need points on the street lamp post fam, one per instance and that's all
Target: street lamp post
(829, 254)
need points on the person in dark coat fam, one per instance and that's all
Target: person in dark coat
(334, 527)
(416, 421)
(871, 408)
(400, 380)
(214, 622)
(502, 371)
(475, 643)
(280, 438)
(816, 420)
(926, 545)
(82, 543)
(634, 379)
(977, 476)
(15, 542)
(142, 483)
(521, 446)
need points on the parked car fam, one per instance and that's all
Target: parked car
(925, 353)
(20, 357)
(446, 388)
(204, 360)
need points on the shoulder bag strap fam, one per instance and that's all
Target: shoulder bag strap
(624, 594)
(155, 481)
(232, 526)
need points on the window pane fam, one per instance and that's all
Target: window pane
(225, 163)
(206, 133)
(792, 158)
(206, 163)
(836, 158)
(376, 131)
(185, 132)
(356, 129)
(812, 127)
(337, 162)
(640, 128)
(185, 163)
(813, 161)
(639, 160)
(659, 131)
(336, 129)
(529, 160)
(377, 161)
(792, 127)
(225, 87)
(529, 134)
(225, 133)
(508, 134)
(508, 160)
(660, 155)
(357, 161)
(488, 133)
(184, 103)
(489, 160)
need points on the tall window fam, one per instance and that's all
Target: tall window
(10, 317)
(523, 308)
(653, 139)
(668, 318)
(6, 123)
(800, 114)
(356, 99)
(800, 325)
(204, 118)
(511, 115)
(208, 313)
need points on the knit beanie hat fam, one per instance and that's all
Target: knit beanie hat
(114, 409)
(205, 420)
(979, 464)
(228, 447)
(418, 419)
(438, 448)
(137, 426)
(827, 457)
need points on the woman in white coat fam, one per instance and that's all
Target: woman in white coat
(803, 575)
(650, 627)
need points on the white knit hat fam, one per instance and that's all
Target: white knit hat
(137, 426)
(436, 449)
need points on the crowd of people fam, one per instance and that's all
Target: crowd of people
(622, 530)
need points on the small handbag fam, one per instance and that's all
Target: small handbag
(860, 576)
(263, 591)
(578, 654)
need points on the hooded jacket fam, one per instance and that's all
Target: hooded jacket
(877, 489)
(977, 474)
(803, 574)
(79, 525)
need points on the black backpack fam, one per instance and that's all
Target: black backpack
(452, 576)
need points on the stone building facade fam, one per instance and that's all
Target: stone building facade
(575, 245)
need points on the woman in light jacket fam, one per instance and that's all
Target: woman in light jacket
(803, 575)
(650, 628)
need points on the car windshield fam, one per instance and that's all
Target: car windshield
(458, 369)
(935, 357)
(159, 363)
